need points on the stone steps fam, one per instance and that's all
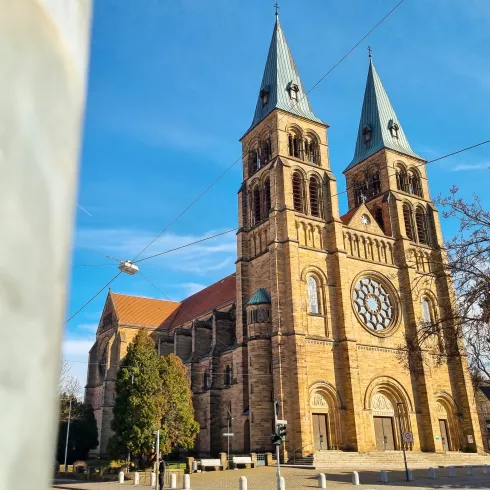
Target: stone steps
(392, 459)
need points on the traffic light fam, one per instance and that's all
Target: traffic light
(279, 437)
(282, 432)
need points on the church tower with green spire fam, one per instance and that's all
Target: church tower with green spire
(324, 301)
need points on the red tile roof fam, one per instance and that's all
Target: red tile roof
(146, 312)
(347, 216)
(217, 295)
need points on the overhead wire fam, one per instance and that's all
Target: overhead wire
(203, 193)
(240, 157)
(93, 297)
(426, 162)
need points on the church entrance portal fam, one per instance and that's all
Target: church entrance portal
(383, 428)
(320, 432)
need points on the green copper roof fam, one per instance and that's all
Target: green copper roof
(279, 74)
(260, 297)
(378, 116)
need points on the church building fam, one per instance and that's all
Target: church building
(320, 304)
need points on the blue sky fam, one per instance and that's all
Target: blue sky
(173, 86)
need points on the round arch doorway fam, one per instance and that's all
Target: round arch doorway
(325, 417)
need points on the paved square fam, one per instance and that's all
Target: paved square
(265, 479)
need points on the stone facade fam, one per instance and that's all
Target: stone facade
(340, 295)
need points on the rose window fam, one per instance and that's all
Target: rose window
(373, 304)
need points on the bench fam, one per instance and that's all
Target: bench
(243, 460)
(211, 463)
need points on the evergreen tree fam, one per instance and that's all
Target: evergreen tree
(178, 425)
(139, 399)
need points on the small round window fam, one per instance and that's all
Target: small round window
(373, 304)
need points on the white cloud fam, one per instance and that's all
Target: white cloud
(76, 348)
(471, 166)
(202, 258)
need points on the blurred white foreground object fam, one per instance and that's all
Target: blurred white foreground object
(43, 55)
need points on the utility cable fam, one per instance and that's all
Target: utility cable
(187, 245)
(427, 162)
(240, 157)
(92, 298)
(236, 161)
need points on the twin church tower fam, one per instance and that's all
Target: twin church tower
(324, 302)
(321, 305)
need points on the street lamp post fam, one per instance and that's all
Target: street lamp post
(157, 472)
(67, 436)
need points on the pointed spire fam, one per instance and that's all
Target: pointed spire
(280, 79)
(379, 127)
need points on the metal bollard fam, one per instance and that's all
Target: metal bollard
(242, 483)
(485, 469)
(283, 483)
(469, 470)
(153, 479)
(384, 476)
(173, 480)
(322, 480)
(432, 473)
(355, 478)
(187, 482)
(121, 477)
(452, 471)
(136, 478)
(409, 474)
(194, 466)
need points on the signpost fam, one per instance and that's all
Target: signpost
(404, 438)
(229, 434)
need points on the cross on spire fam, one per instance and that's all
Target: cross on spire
(370, 51)
(276, 6)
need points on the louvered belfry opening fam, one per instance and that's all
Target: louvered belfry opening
(314, 197)
(407, 218)
(254, 163)
(267, 196)
(256, 205)
(421, 221)
(297, 192)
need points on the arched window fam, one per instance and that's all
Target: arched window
(228, 376)
(313, 295)
(414, 184)
(254, 161)
(267, 196)
(298, 192)
(407, 218)
(427, 311)
(205, 383)
(265, 152)
(314, 189)
(401, 179)
(256, 205)
(421, 222)
(378, 216)
(311, 150)
(360, 192)
(295, 144)
(374, 184)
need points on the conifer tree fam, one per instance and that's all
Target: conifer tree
(178, 425)
(139, 400)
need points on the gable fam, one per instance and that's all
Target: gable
(361, 219)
